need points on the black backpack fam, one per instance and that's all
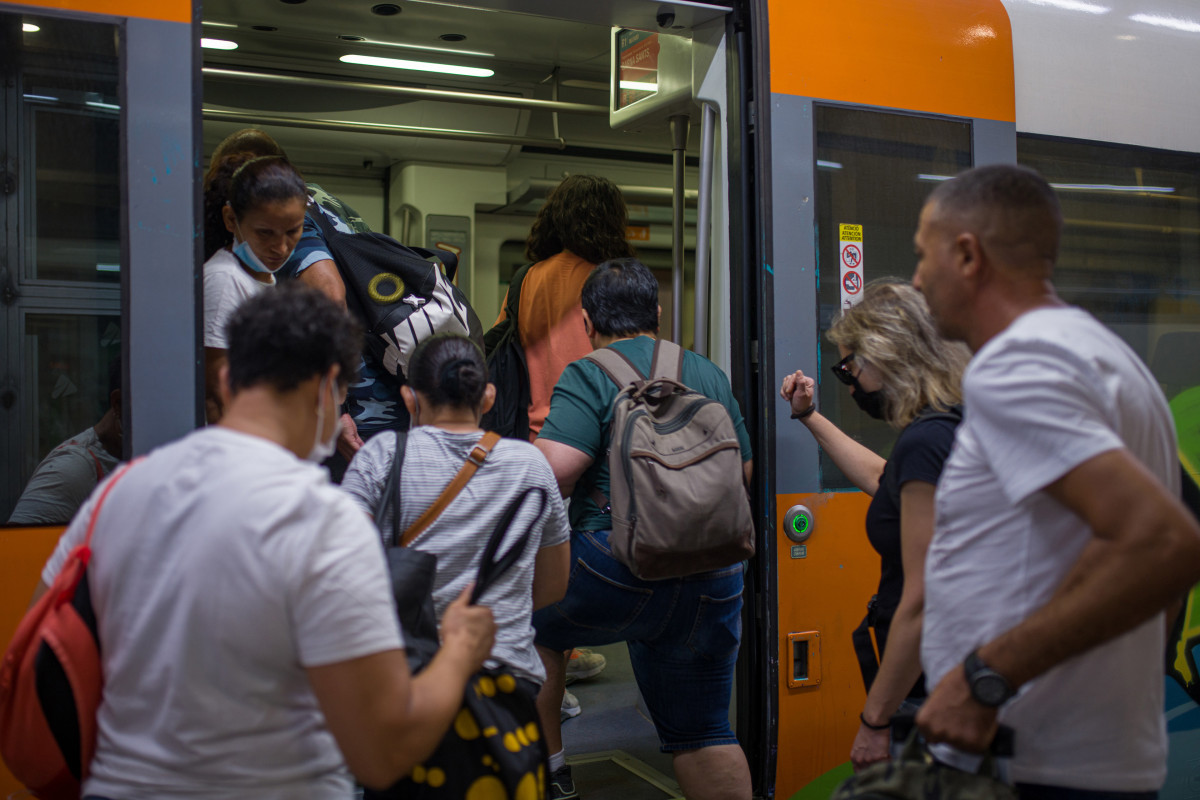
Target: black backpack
(508, 370)
(400, 296)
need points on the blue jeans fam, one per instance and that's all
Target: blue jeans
(1033, 791)
(682, 634)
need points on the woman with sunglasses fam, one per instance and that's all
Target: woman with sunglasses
(899, 370)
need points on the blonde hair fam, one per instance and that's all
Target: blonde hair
(891, 329)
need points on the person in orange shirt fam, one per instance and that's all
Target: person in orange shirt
(581, 224)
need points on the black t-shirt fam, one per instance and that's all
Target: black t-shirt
(920, 452)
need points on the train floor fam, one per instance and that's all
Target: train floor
(611, 746)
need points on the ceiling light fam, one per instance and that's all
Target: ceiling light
(456, 51)
(98, 104)
(218, 44)
(29, 27)
(43, 97)
(420, 66)
(1108, 187)
(828, 164)
(639, 86)
(386, 9)
(108, 267)
(1072, 5)
(1162, 21)
(212, 24)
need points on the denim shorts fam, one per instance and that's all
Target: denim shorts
(682, 635)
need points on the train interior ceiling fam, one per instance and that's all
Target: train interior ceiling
(409, 163)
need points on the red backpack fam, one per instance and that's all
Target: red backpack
(50, 681)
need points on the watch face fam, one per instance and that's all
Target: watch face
(990, 689)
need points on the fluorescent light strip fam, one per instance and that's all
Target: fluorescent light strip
(1072, 5)
(29, 27)
(108, 268)
(452, 50)
(218, 44)
(1107, 187)
(420, 66)
(639, 86)
(1079, 187)
(212, 24)
(44, 97)
(98, 104)
(1162, 21)
(828, 164)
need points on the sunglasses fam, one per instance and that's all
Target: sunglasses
(841, 371)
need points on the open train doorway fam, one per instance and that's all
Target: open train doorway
(449, 124)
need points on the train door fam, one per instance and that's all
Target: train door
(864, 107)
(70, 254)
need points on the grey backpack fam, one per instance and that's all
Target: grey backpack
(679, 504)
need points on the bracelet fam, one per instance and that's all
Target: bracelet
(863, 720)
(806, 412)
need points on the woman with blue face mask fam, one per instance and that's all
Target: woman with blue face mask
(261, 201)
(901, 371)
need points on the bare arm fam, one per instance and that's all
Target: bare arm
(748, 471)
(324, 276)
(384, 720)
(40, 590)
(902, 659)
(1144, 555)
(214, 360)
(859, 464)
(550, 572)
(567, 463)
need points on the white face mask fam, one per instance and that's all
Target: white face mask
(323, 450)
(243, 250)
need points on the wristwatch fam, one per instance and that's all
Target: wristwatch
(988, 687)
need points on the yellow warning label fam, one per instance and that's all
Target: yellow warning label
(850, 233)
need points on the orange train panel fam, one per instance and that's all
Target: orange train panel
(166, 10)
(826, 592)
(23, 553)
(935, 56)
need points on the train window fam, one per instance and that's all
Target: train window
(60, 240)
(874, 170)
(1131, 245)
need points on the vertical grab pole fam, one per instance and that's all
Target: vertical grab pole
(679, 136)
(703, 225)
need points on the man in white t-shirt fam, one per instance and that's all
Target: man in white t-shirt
(1059, 538)
(249, 643)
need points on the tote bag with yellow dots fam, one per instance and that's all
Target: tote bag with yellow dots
(494, 750)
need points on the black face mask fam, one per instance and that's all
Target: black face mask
(871, 403)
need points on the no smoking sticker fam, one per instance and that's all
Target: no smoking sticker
(850, 258)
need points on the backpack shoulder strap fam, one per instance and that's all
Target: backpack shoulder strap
(667, 361)
(474, 461)
(619, 369)
(514, 293)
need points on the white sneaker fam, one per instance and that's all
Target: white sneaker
(570, 706)
(584, 664)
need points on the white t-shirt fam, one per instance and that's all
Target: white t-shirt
(64, 479)
(223, 567)
(1052, 391)
(226, 286)
(432, 459)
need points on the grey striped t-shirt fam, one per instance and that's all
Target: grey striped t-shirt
(432, 458)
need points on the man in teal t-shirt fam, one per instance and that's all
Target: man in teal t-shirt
(683, 633)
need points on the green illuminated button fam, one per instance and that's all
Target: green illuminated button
(798, 523)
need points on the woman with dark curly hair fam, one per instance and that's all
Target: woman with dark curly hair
(581, 224)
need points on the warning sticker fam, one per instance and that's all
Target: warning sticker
(850, 263)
